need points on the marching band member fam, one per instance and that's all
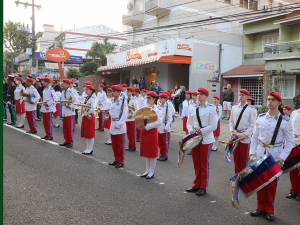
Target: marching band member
(295, 173)
(250, 101)
(57, 104)
(68, 113)
(20, 104)
(164, 130)
(241, 123)
(130, 121)
(30, 105)
(39, 87)
(218, 109)
(149, 138)
(202, 117)
(101, 96)
(286, 110)
(260, 145)
(195, 103)
(144, 95)
(74, 117)
(170, 104)
(48, 108)
(107, 122)
(141, 103)
(88, 120)
(5, 89)
(185, 109)
(124, 90)
(10, 99)
(118, 113)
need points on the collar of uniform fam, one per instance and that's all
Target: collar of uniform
(275, 117)
(241, 106)
(204, 106)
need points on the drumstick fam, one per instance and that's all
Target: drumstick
(241, 138)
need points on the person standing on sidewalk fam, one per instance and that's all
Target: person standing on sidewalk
(296, 100)
(185, 110)
(228, 99)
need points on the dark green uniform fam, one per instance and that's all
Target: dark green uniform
(296, 102)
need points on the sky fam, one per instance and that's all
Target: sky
(68, 13)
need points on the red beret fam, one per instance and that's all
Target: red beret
(244, 91)
(162, 95)
(144, 90)
(20, 78)
(188, 92)
(217, 97)
(88, 83)
(194, 93)
(137, 90)
(29, 79)
(90, 87)
(102, 85)
(287, 107)
(250, 99)
(124, 85)
(47, 79)
(67, 81)
(116, 87)
(203, 91)
(276, 95)
(130, 89)
(152, 94)
(84, 85)
(109, 89)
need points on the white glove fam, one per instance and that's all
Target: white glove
(85, 113)
(21, 101)
(8, 102)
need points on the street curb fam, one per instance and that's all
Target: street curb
(177, 132)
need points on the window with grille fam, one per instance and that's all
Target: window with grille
(285, 86)
(255, 88)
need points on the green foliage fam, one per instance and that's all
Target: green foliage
(89, 68)
(262, 109)
(73, 73)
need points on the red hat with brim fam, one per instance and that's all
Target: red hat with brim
(217, 97)
(276, 95)
(163, 95)
(137, 90)
(67, 81)
(130, 89)
(287, 107)
(116, 87)
(124, 85)
(88, 83)
(102, 85)
(144, 90)
(90, 87)
(47, 79)
(188, 92)
(252, 99)
(109, 89)
(194, 93)
(203, 91)
(244, 91)
(152, 94)
(29, 79)
(19, 78)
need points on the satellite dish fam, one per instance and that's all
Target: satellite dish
(129, 6)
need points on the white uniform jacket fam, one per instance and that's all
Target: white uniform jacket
(32, 91)
(140, 101)
(118, 125)
(91, 101)
(131, 101)
(172, 109)
(295, 118)
(58, 97)
(247, 121)
(68, 95)
(17, 92)
(77, 95)
(209, 121)
(101, 99)
(166, 120)
(83, 96)
(185, 107)
(158, 122)
(49, 96)
(219, 111)
(263, 133)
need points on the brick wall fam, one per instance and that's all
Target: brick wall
(234, 82)
(110, 80)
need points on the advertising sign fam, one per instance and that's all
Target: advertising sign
(57, 55)
(51, 65)
(205, 66)
(73, 58)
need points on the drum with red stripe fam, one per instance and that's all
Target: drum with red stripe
(293, 160)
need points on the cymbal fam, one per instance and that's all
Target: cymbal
(145, 113)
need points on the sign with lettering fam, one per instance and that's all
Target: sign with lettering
(57, 55)
(205, 66)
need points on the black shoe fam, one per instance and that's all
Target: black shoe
(270, 216)
(201, 192)
(137, 140)
(291, 195)
(214, 150)
(159, 158)
(37, 119)
(21, 126)
(163, 159)
(113, 163)
(147, 177)
(228, 118)
(298, 197)
(107, 143)
(63, 144)
(90, 153)
(69, 145)
(97, 129)
(11, 123)
(56, 126)
(192, 189)
(255, 213)
(224, 118)
(101, 129)
(33, 132)
(119, 165)
(28, 132)
(48, 138)
(126, 149)
(189, 153)
(132, 149)
(44, 137)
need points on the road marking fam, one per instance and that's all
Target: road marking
(80, 153)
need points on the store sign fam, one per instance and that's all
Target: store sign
(57, 55)
(205, 66)
(73, 59)
(21, 58)
(51, 66)
(133, 54)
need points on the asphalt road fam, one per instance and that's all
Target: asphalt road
(48, 184)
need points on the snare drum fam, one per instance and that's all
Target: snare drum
(258, 175)
(293, 160)
(190, 141)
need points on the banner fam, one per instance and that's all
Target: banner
(51, 65)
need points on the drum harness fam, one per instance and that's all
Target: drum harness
(239, 119)
(166, 116)
(272, 144)
(198, 117)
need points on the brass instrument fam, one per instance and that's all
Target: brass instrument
(41, 103)
(145, 115)
(176, 115)
(131, 109)
(65, 101)
(23, 94)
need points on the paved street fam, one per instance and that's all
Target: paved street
(48, 184)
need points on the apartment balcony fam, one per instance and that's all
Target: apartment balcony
(133, 18)
(157, 7)
(289, 49)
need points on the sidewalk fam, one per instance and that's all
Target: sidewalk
(224, 134)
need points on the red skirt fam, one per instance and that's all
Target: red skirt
(149, 143)
(107, 123)
(20, 108)
(88, 127)
(57, 113)
(217, 131)
(184, 120)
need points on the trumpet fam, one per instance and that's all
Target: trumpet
(23, 94)
(131, 109)
(65, 101)
(41, 103)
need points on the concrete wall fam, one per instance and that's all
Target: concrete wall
(178, 74)
(295, 33)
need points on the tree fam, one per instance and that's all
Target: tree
(89, 68)
(73, 73)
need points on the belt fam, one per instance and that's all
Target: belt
(241, 131)
(115, 119)
(265, 145)
(296, 135)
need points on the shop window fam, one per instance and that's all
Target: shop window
(255, 88)
(285, 86)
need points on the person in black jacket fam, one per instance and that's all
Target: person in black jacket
(10, 99)
(5, 88)
(228, 99)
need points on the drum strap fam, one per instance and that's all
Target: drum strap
(276, 130)
(198, 117)
(240, 116)
(122, 108)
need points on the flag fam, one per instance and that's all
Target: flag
(227, 157)
(234, 191)
(180, 157)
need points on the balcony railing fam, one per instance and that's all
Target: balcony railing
(132, 18)
(157, 7)
(253, 55)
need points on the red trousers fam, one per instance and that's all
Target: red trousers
(240, 157)
(48, 125)
(131, 134)
(266, 197)
(31, 120)
(68, 126)
(201, 155)
(118, 146)
(138, 133)
(101, 120)
(163, 143)
(184, 120)
(295, 174)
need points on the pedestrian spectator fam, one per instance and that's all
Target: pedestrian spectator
(134, 81)
(103, 82)
(228, 99)
(176, 96)
(153, 87)
(296, 100)
(77, 82)
(159, 89)
(142, 83)
(181, 99)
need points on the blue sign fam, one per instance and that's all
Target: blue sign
(21, 58)
(42, 56)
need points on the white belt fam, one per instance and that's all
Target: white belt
(265, 145)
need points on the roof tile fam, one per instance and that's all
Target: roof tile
(245, 70)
